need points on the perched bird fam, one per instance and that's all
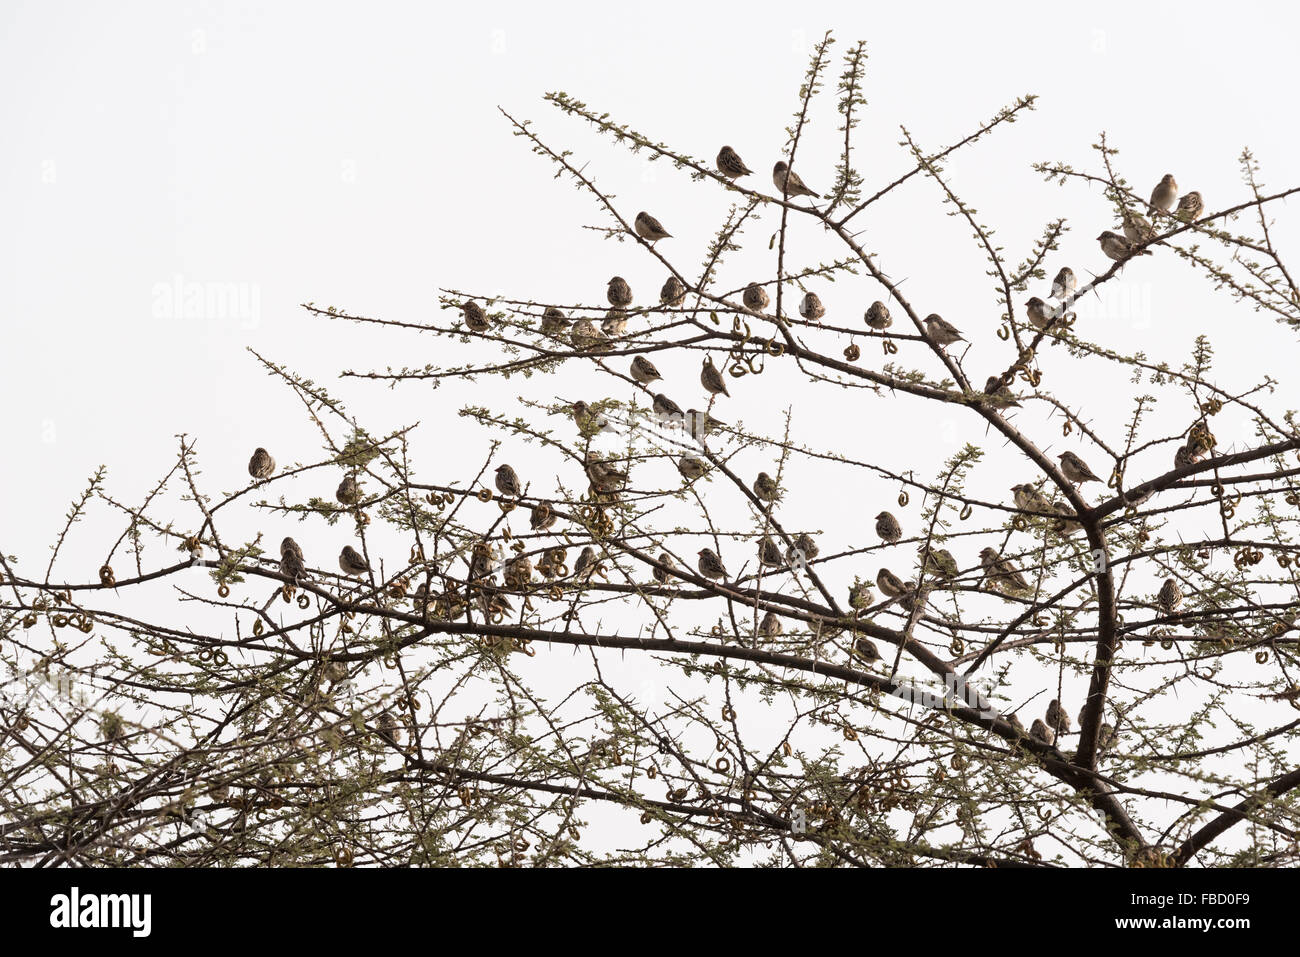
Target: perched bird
(1118, 248)
(731, 165)
(712, 379)
(1183, 457)
(585, 566)
(811, 307)
(292, 567)
(1014, 721)
(710, 564)
(692, 467)
(672, 293)
(649, 228)
(1031, 499)
(541, 517)
(890, 585)
(860, 595)
(770, 626)
(644, 371)
(1057, 719)
(519, 572)
(866, 649)
(938, 562)
(769, 554)
(887, 527)
(603, 476)
(1042, 732)
(1041, 315)
(659, 574)
(1001, 574)
(508, 482)
(787, 181)
(1190, 207)
(388, 728)
(765, 488)
(803, 550)
(1065, 283)
(347, 493)
(942, 332)
(1162, 197)
(586, 337)
(755, 297)
(614, 323)
(1076, 469)
(352, 562)
(663, 405)
(619, 293)
(289, 546)
(553, 322)
(998, 394)
(334, 672)
(1137, 228)
(877, 316)
(588, 421)
(1106, 738)
(482, 563)
(701, 424)
(1170, 597)
(261, 465)
(475, 318)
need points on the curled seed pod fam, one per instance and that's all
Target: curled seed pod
(485, 495)
(106, 576)
(853, 353)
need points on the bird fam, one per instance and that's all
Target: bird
(519, 572)
(1041, 315)
(603, 476)
(1014, 721)
(1042, 732)
(998, 394)
(644, 371)
(1001, 574)
(1031, 499)
(887, 527)
(1076, 469)
(1057, 719)
(787, 181)
(347, 493)
(769, 554)
(475, 318)
(351, 561)
(755, 297)
(1065, 283)
(877, 316)
(619, 293)
(1118, 248)
(588, 421)
(541, 517)
(1190, 207)
(261, 465)
(673, 292)
(1183, 457)
(712, 379)
(811, 307)
(860, 595)
(866, 649)
(553, 322)
(481, 563)
(692, 467)
(1106, 737)
(1170, 597)
(943, 333)
(585, 566)
(1137, 228)
(890, 585)
(649, 228)
(701, 424)
(388, 728)
(663, 405)
(508, 482)
(291, 564)
(586, 337)
(803, 550)
(614, 323)
(937, 561)
(765, 488)
(1162, 197)
(731, 165)
(710, 564)
(770, 626)
(289, 546)
(659, 574)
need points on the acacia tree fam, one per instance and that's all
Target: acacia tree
(638, 649)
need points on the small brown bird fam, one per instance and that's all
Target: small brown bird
(866, 649)
(765, 488)
(1137, 228)
(787, 182)
(586, 337)
(1162, 197)
(1118, 248)
(710, 564)
(803, 550)
(890, 585)
(1041, 315)
(1042, 732)
(554, 322)
(1014, 721)
(692, 467)
(755, 297)
(619, 293)
(659, 574)
(291, 564)
(347, 493)
(588, 421)
(289, 547)
(614, 323)
(731, 165)
(388, 728)
(585, 565)
(1057, 719)
(701, 424)
(1076, 469)
(712, 379)
(1190, 207)
(938, 562)
(811, 307)
(999, 394)
(769, 554)
(1001, 574)
(261, 465)
(887, 527)
(942, 332)
(649, 228)
(644, 371)
(663, 405)
(519, 572)
(508, 482)
(1170, 598)
(672, 293)
(475, 318)
(1065, 283)
(1031, 499)
(603, 476)
(860, 595)
(877, 316)
(1106, 737)
(541, 517)
(352, 563)
(1183, 457)
(770, 626)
